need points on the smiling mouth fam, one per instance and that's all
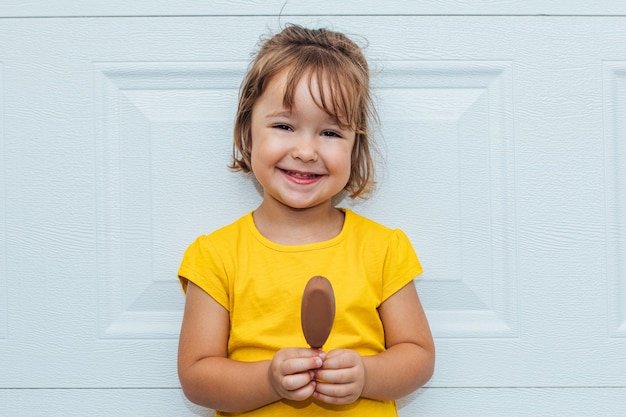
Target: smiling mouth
(305, 175)
(301, 178)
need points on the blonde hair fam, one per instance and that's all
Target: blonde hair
(342, 74)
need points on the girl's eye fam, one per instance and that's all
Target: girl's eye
(331, 134)
(282, 127)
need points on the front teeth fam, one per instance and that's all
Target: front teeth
(301, 175)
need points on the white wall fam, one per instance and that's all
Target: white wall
(503, 125)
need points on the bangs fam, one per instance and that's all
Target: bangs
(338, 93)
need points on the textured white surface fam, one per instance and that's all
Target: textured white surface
(64, 8)
(429, 402)
(503, 140)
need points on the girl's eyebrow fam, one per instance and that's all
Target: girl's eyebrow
(279, 113)
(288, 113)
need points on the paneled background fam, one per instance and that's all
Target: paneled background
(503, 132)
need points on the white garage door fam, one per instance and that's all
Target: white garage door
(504, 143)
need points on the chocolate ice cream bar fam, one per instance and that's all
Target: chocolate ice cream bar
(318, 311)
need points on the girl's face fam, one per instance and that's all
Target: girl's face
(300, 156)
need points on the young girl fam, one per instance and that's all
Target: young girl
(302, 130)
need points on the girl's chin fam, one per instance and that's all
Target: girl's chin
(298, 204)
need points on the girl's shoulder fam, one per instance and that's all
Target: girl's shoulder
(366, 227)
(359, 221)
(224, 234)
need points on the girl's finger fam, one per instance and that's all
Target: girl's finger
(334, 394)
(299, 365)
(296, 381)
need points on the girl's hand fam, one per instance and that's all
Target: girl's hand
(341, 379)
(291, 372)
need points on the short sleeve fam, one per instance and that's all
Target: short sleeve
(401, 264)
(202, 265)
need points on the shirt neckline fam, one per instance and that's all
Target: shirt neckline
(304, 247)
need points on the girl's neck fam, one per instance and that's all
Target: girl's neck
(289, 226)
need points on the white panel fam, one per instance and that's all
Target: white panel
(164, 138)
(3, 203)
(515, 402)
(453, 149)
(427, 402)
(615, 156)
(153, 402)
(64, 8)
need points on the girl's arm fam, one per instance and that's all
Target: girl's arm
(406, 365)
(210, 379)
(409, 361)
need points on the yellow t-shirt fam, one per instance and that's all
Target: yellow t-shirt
(260, 283)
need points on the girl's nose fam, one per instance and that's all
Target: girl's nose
(304, 149)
